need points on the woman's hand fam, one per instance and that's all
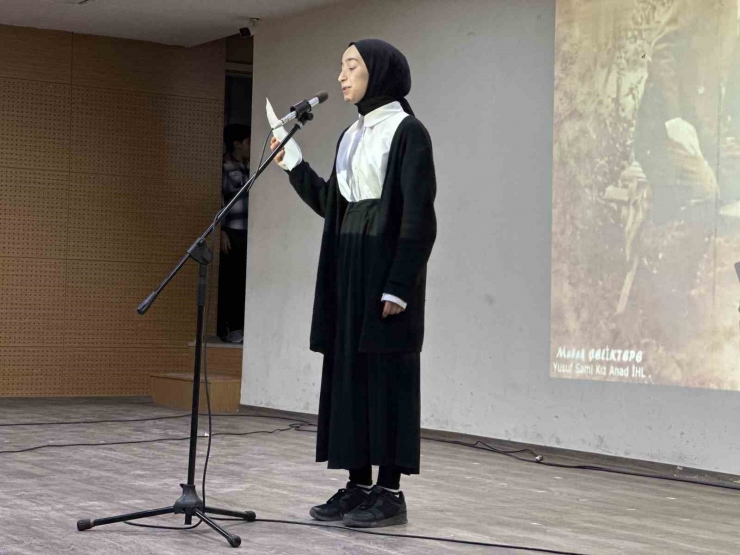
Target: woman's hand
(391, 309)
(273, 145)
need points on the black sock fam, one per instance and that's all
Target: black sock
(389, 477)
(361, 476)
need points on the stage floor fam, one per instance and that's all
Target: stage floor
(462, 493)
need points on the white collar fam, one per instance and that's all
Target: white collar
(381, 114)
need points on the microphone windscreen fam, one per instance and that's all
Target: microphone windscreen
(322, 96)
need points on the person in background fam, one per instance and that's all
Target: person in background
(233, 269)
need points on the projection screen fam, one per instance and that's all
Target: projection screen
(646, 192)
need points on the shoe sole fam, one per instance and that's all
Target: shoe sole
(393, 521)
(316, 516)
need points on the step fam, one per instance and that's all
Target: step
(175, 390)
(223, 358)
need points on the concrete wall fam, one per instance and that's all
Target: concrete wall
(483, 85)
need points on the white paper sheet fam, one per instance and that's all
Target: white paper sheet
(293, 155)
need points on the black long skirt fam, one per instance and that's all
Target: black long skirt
(369, 410)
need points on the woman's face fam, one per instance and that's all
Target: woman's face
(354, 76)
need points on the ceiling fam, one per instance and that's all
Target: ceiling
(180, 22)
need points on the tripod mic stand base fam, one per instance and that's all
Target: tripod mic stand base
(188, 504)
(189, 501)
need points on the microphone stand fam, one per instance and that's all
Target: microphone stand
(189, 503)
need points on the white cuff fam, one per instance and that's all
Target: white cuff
(394, 299)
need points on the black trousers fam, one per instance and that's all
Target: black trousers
(232, 277)
(389, 476)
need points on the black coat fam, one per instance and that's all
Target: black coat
(401, 244)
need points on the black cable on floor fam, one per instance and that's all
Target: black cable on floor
(158, 527)
(148, 419)
(74, 422)
(485, 447)
(481, 445)
(370, 533)
(540, 460)
(299, 426)
(103, 444)
(142, 441)
(414, 536)
(204, 360)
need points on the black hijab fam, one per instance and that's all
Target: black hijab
(389, 75)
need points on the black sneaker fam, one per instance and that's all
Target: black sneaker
(381, 508)
(341, 503)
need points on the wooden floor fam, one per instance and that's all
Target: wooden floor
(462, 494)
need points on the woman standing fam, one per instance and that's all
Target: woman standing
(368, 316)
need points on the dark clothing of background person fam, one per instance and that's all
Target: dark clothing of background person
(232, 278)
(233, 261)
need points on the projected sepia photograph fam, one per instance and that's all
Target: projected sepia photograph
(646, 192)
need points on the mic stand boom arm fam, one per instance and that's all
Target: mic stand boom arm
(195, 251)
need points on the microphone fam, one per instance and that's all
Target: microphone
(301, 108)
